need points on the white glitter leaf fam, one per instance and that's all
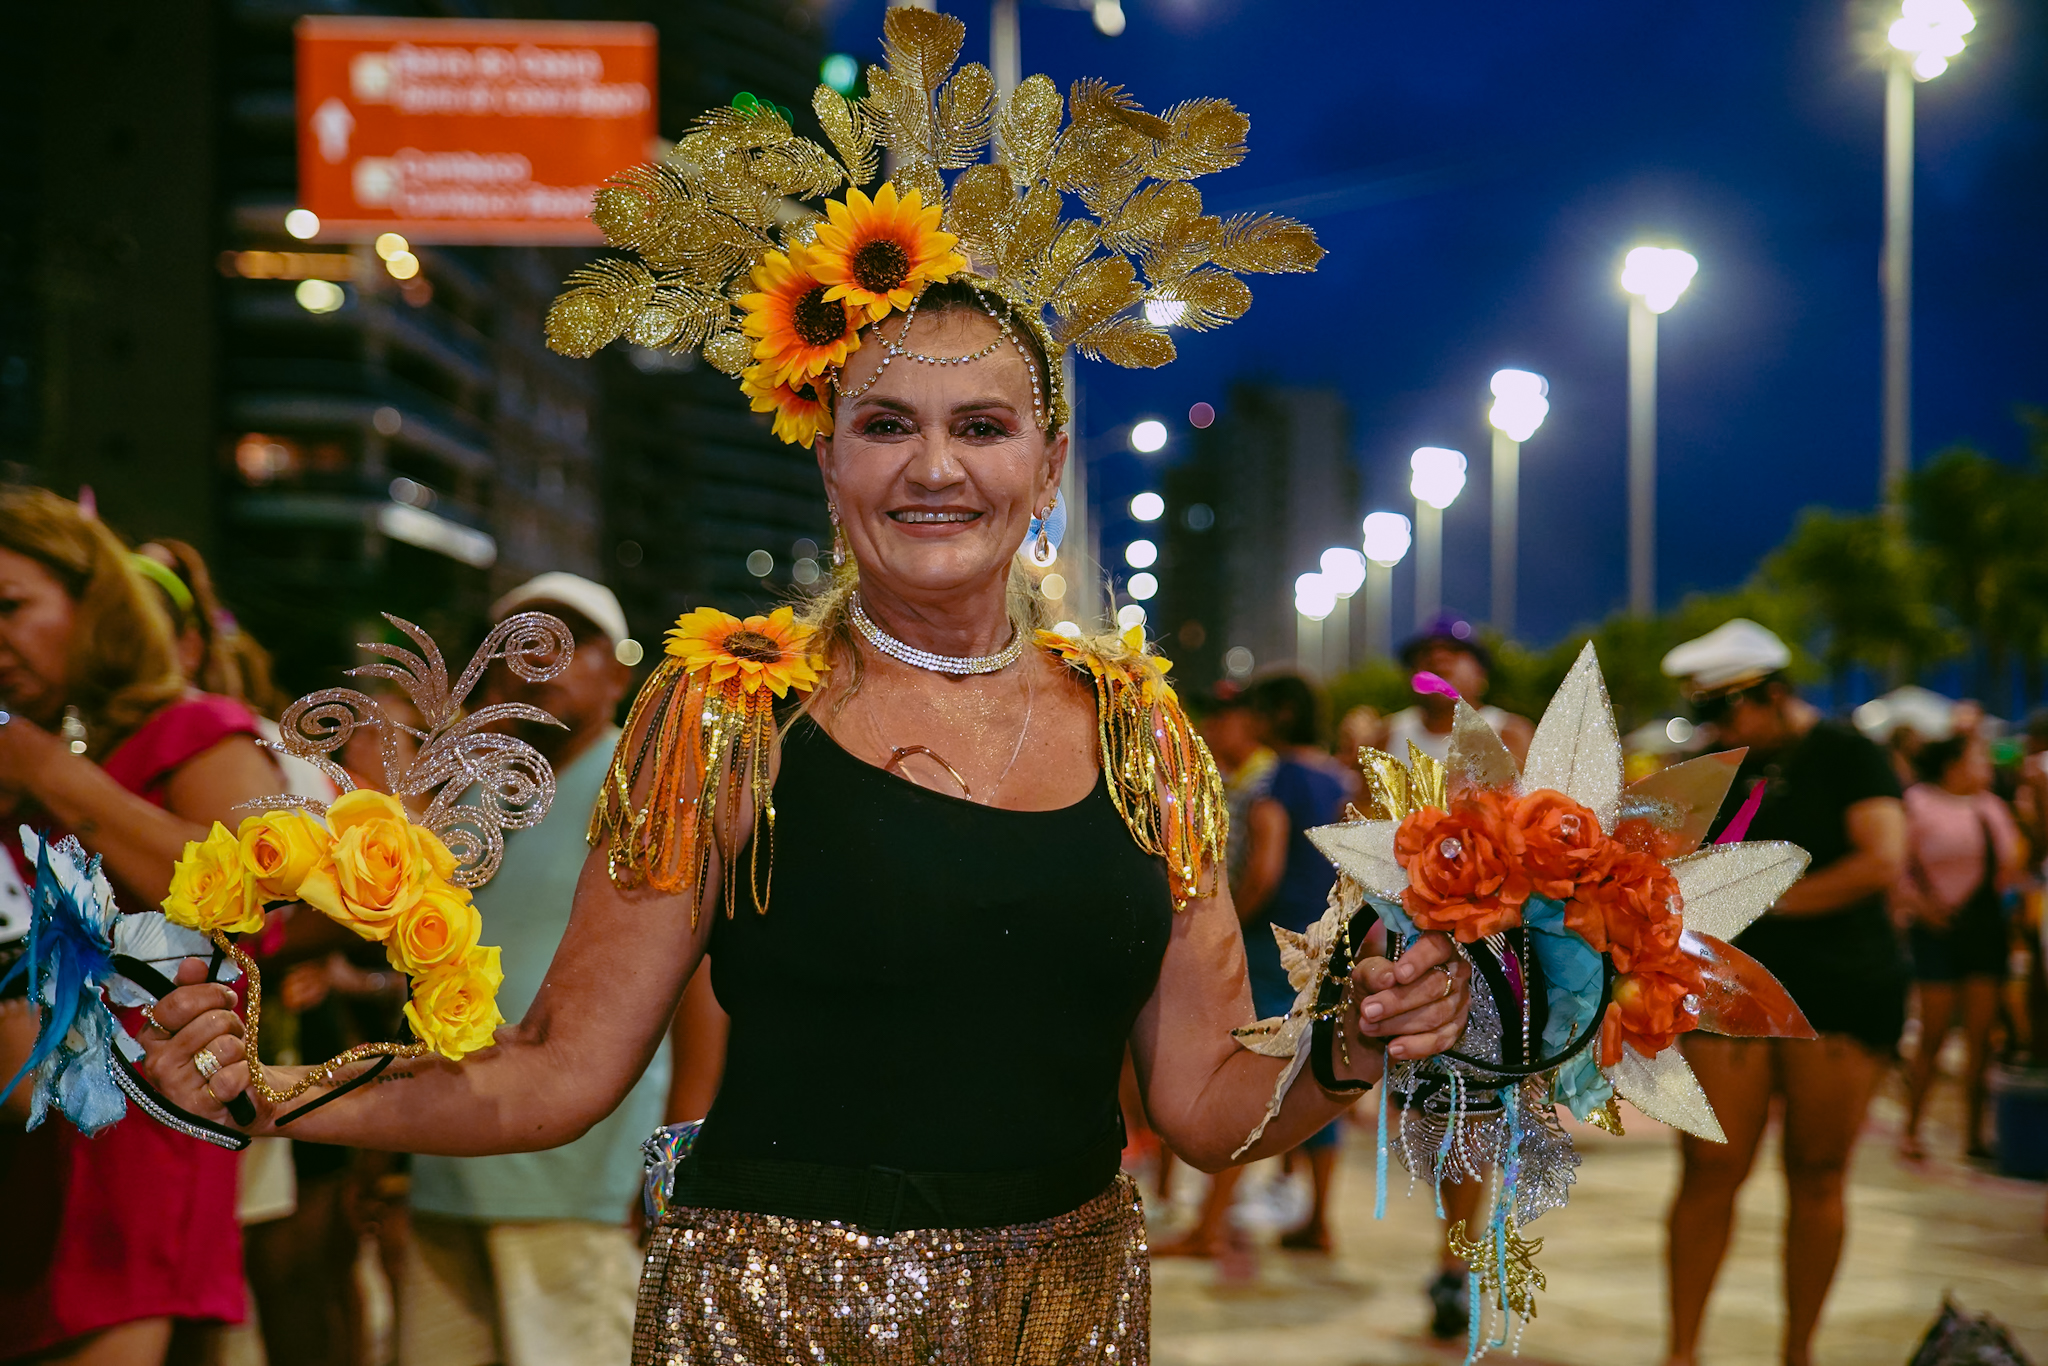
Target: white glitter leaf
(1726, 886)
(1365, 851)
(1477, 757)
(1576, 749)
(1665, 1089)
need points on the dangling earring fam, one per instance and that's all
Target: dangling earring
(838, 537)
(1041, 549)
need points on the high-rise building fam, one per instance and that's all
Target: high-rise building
(1270, 486)
(337, 440)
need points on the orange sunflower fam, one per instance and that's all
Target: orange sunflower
(772, 652)
(797, 330)
(878, 253)
(801, 414)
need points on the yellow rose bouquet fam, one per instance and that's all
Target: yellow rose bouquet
(367, 862)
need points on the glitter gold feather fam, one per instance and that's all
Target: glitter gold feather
(742, 183)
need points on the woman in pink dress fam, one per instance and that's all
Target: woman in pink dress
(112, 1242)
(1963, 853)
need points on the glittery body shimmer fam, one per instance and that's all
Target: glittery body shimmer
(727, 1288)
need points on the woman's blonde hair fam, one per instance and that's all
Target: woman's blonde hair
(123, 666)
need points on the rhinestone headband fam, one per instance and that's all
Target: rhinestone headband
(893, 348)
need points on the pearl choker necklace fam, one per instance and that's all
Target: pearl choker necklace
(924, 659)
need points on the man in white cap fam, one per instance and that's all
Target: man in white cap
(529, 1257)
(1828, 939)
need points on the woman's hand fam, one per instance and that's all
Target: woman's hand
(198, 1015)
(1417, 1003)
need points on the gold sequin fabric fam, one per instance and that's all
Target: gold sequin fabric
(727, 1288)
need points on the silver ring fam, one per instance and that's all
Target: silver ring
(205, 1064)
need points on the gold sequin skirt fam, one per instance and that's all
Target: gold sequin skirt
(724, 1288)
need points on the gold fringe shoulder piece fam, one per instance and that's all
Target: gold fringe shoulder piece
(1161, 776)
(698, 741)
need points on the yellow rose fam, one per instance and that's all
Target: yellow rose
(380, 866)
(279, 850)
(442, 927)
(454, 1009)
(210, 889)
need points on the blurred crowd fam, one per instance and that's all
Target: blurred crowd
(134, 711)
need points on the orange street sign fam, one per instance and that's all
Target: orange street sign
(468, 130)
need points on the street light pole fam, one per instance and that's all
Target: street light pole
(1898, 276)
(1387, 538)
(1507, 480)
(1438, 477)
(1653, 277)
(1520, 403)
(1642, 457)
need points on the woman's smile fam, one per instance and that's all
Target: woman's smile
(927, 523)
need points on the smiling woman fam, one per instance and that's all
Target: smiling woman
(948, 866)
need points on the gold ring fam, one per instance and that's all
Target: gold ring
(205, 1064)
(1450, 981)
(149, 1014)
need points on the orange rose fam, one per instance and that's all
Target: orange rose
(1463, 868)
(1628, 915)
(1563, 846)
(1649, 1011)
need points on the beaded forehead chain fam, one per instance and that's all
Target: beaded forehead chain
(733, 248)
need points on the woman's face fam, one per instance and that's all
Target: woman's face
(35, 638)
(937, 470)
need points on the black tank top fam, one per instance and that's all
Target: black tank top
(937, 985)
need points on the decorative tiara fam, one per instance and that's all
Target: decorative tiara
(738, 253)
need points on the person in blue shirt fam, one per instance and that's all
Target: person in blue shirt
(1285, 881)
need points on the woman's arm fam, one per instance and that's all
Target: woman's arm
(1205, 1094)
(609, 996)
(1877, 858)
(139, 840)
(1265, 857)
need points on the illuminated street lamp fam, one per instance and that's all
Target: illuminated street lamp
(1926, 34)
(1520, 402)
(1314, 599)
(1344, 571)
(1387, 540)
(1437, 478)
(1653, 277)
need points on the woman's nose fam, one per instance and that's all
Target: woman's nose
(936, 465)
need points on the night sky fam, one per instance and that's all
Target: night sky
(1476, 172)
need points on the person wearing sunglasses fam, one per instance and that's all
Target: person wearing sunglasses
(1828, 939)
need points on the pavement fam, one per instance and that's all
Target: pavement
(1916, 1232)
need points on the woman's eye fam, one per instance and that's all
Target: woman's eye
(985, 429)
(885, 426)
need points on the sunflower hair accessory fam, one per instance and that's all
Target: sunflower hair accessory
(738, 253)
(700, 734)
(367, 863)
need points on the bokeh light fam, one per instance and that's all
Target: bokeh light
(840, 71)
(390, 244)
(1141, 554)
(1314, 597)
(302, 224)
(1343, 570)
(1147, 507)
(1148, 436)
(319, 296)
(1438, 475)
(1387, 538)
(1659, 275)
(1143, 587)
(1129, 615)
(1519, 402)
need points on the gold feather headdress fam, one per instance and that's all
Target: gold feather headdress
(735, 256)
